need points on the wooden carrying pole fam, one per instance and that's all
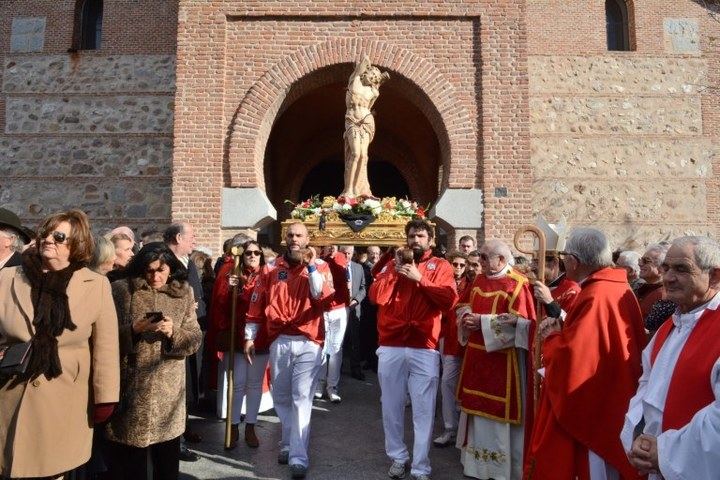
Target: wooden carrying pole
(540, 255)
(230, 373)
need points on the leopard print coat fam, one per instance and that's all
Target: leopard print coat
(152, 376)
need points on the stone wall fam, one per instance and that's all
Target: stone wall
(90, 129)
(617, 142)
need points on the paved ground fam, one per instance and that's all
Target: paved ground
(346, 443)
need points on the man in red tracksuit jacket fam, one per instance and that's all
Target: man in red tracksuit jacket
(411, 292)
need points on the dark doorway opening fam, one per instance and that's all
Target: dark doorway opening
(326, 178)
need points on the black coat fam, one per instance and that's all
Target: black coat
(15, 260)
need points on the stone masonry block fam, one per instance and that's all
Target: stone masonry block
(27, 34)
(611, 115)
(622, 157)
(117, 114)
(598, 201)
(94, 156)
(609, 74)
(89, 74)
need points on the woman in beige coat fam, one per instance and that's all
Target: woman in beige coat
(158, 329)
(72, 379)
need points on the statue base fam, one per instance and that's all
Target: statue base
(385, 231)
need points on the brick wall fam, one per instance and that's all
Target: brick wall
(464, 65)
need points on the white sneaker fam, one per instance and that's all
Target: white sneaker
(444, 440)
(397, 470)
(333, 396)
(318, 394)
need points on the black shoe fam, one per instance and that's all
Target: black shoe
(188, 455)
(357, 373)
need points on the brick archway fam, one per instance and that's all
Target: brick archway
(435, 97)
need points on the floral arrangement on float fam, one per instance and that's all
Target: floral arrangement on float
(344, 207)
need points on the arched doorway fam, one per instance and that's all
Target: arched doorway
(304, 152)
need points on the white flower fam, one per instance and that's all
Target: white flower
(404, 204)
(370, 203)
(337, 207)
(346, 208)
(317, 210)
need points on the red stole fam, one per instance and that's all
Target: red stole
(489, 384)
(689, 389)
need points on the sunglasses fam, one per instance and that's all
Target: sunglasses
(58, 237)
(458, 265)
(250, 253)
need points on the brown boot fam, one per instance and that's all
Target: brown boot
(250, 437)
(234, 436)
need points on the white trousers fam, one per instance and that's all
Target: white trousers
(294, 361)
(335, 326)
(247, 385)
(448, 387)
(414, 370)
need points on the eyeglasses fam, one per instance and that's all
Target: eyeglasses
(249, 253)
(458, 265)
(58, 237)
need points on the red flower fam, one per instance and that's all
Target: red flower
(352, 201)
(420, 212)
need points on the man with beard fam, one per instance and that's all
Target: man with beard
(411, 294)
(290, 299)
(497, 327)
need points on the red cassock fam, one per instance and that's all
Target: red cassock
(489, 384)
(592, 369)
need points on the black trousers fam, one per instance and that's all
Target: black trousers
(131, 463)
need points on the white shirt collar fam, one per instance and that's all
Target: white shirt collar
(501, 273)
(694, 315)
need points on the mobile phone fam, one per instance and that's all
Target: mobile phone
(154, 317)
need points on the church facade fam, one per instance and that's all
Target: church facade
(216, 112)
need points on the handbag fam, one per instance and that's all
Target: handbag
(14, 359)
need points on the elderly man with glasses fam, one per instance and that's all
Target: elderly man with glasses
(591, 370)
(650, 271)
(496, 324)
(672, 424)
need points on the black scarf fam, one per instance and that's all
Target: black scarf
(52, 314)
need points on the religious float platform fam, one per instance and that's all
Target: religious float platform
(357, 221)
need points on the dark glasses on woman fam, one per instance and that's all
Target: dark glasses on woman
(250, 253)
(59, 237)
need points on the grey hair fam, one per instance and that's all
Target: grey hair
(707, 250)
(18, 243)
(498, 247)
(104, 251)
(661, 249)
(630, 259)
(590, 246)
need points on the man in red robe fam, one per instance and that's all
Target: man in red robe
(497, 324)
(592, 367)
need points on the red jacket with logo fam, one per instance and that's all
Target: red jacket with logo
(409, 312)
(282, 301)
